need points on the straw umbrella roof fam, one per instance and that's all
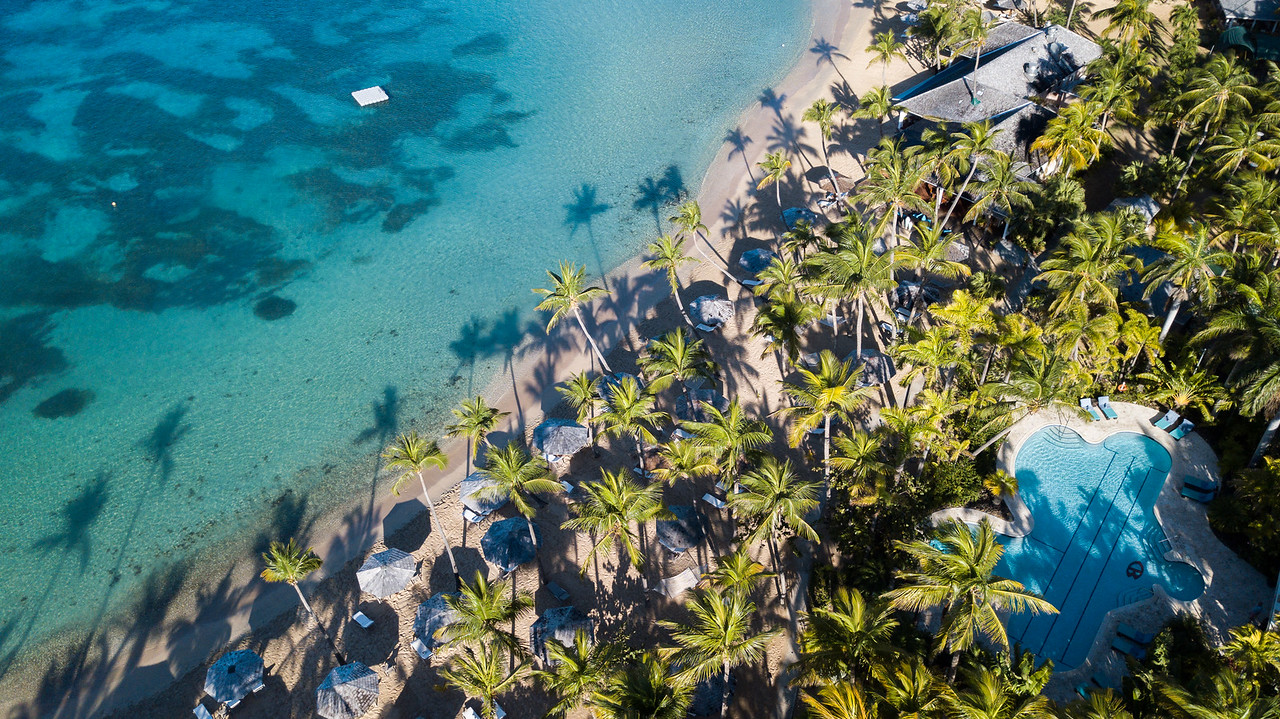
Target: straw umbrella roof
(682, 533)
(233, 676)
(560, 437)
(711, 310)
(792, 215)
(818, 175)
(560, 624)
(469, 491)
(757, 260)
(432, 616)
(387, 572)
(699, 399)
(877, 368)
(507, 543)
(348, 691)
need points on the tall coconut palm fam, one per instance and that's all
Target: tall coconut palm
(893, 174)
(1004, 190)
(515, 474)
(1115, 89)
(852, 270)
(986, 695)
(482, 608)
(676, 356)
(1219, 89)
(776, 500)
(717, 637)
(483, 675)
(1088, 266)
(876, 104)
(858, 458)
(1248, 141)
(668, 256)
(928, 253)
(1190, 263)
(781, 322)
(1072, 140)
(569, 292)
(628, 410)
(729, 436)
(287, 562)
(411, 455)
(839, 701)
(1255, 653)
(847, 640)
(643, 690)
(1131, 20)
(955, 573)
(975, 143)
(609, 509)
(934, 355)
(737, 572)
(883, 49)
(830, 392)
(476, 419)
(1036, 382)
(1224, 694)
(823, 112)
(688, 218)
(577, 671)
(775, 166)
(684, 459)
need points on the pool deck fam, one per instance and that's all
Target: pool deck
(1232, 586)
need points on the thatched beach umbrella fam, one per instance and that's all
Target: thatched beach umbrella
(819, 175)
(432, 616)
(469, 490)
(560, 438)
(233, 676)
(560, 624)
(507, 544)
(347, 692)
(756, 261)
(387, 572)
(877, 368)
(693, 406)
(682, 533)
(711, 310)
(792, 215)
(957, 252)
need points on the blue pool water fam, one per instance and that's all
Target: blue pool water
(226, 286)
(1095, 544)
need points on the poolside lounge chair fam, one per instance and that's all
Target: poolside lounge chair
(1129, 632)
(751, 283)
(233, 704)
(557, 591)
(1197, 495)
(714, 501)
(707, 328)
(1104, 404)
(1128, 647)
(1087, 405)
(1083, 689)
(1204, 485)
(201, 712)
(1169, 419)
(422, 650)
(363, 620)
(1183, 429)
(471, 516)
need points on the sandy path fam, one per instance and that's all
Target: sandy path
(222, 615)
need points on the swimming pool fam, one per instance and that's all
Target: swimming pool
(1095, 544)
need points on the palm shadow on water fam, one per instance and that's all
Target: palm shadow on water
(656, 193)
(581, 213)
(503, 336)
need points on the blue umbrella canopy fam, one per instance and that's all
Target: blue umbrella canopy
(433, 615)
(560, 437)
(233, 676)
(469, 491)
(387, 572)
(682, 533)
(507, 544)
(756, 261)
(560, 624)
(347, 692)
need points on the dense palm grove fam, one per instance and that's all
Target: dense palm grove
(1182, 312)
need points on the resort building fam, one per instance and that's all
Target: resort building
(1253, 14)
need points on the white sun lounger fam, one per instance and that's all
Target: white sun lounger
(201, 712)
(714, 501)
(422, 649)
(1169, 419)
(471, 516)
(260, 687)
(673, 587)
(1104, 404)
(233, 705)
(707, 328)
(1087, 405)
(1183, 429)
(362, 619)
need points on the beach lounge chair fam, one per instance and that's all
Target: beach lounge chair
(470, 713)
(362, 619)
(260, 687)
(1104, 404)
(201, 712)
(471, 516)
(1086, 404)
(1204, 485)
(673, 587)
(1197, 495)
(1082, 689)
(421, 649)
(1169, 419)
(751, 283)
(1129, 632)
(233, 705)
(498, 711)
(707, 328)
(1183, 429)
(1128, 647)
(714, 501)
(569, 487)
(558, 591)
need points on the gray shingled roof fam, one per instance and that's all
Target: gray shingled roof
(1039, 64)
(1003, 35)
(953, 102)
(1251, 9)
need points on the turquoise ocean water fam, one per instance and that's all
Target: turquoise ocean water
(225, 286)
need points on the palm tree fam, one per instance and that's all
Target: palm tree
(976, 142)
(1222, 695)
(411, 455)
(859, 457)
(718, 636)
(912, 689)
(883, 49)
(289, 563)
(1184, 385)
(481, 609)
(582, 392)
(1244, 142)
(954, 573)
(839, 701)
(853, 270)
(609, 509)
(1115, 88)
(729, 436)
(830, 392)
(683, 459)
(780, 322)
(893, 174)
(933, 354)
(737, 572)
(988, 696)
(1091, 261)
(926, 255)
(776, 501)
(823, 112)
(1102, 704)
(1004, 190)
(775, 166)
(569, 291)
(688, 218)
(483, 675)
(876, 104)
(1255, 653)
(476, 419)
(847, 640)
(668, 256)
(576, 672)
(1190, 264)
(1036, 382)
(513, 473)
(1071, 141)
(628, 410)
(1219, 89)
(643, 690)
(677, 356)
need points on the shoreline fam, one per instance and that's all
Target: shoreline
(525, 388)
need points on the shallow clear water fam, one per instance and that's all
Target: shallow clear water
(226, 286)
(1096, 544)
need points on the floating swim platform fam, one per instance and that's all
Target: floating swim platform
(370, 96)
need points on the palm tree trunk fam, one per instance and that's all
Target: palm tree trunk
(1265, 443)
(640, 453)
(778, 568)
(707, 257)
(724, 691)
(987, 367)
(857, 330)
(1071, 13)
(956, 200)
(826, 453)
(1203, 136)
(955, 655)
(675, 292)
(777, 192)
(1169, 318)
(835, 187)
(583, 326)
(444, 534)
(1000, 435)
(324, 631)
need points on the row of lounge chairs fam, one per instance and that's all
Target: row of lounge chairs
(1103, 410)
(1171, 420)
